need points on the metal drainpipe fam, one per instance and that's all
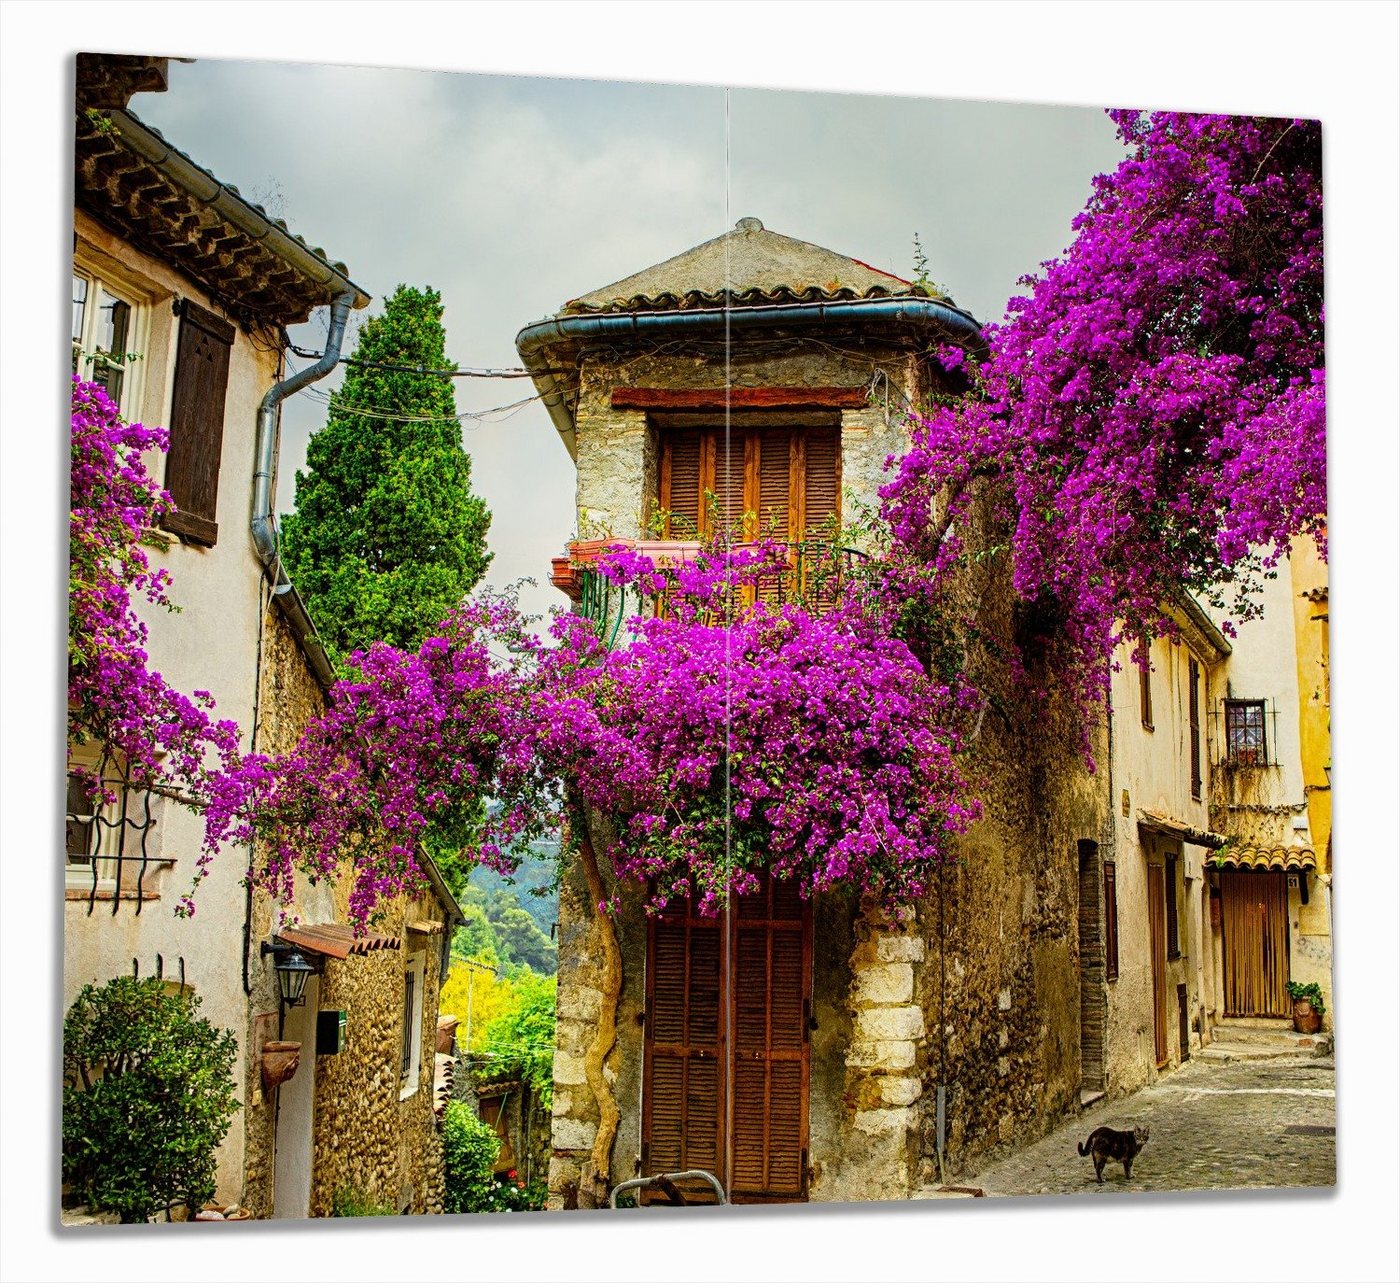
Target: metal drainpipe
(264, 529)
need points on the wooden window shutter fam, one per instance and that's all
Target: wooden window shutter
(197, 423)
(822, 480)
(1173, 927)
(774, 483)
(1194, 707)
(1145, 695)
(682, 1114)
(681, 483)
(1110, 920)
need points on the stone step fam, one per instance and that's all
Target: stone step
(1089, 1096)
(1227, 1051)
(1274, 1032)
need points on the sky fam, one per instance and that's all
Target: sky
(511, 195)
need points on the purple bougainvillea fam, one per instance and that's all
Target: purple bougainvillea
(160, 737)
(1151, 416)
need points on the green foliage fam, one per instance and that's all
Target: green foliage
(510, 1194)
(534, 883)
(351, 1200)
(521, 1038)
(147, 1097)
(501, 932)
(1312, 992)
(387, 535)
(469, 1150)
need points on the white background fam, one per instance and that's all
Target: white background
(1336, 62)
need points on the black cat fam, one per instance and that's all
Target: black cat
(1121, 1147)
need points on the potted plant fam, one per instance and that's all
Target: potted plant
(1307, 1006)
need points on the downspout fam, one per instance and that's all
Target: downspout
(264, 529)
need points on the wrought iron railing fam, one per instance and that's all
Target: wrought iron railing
(814, 576)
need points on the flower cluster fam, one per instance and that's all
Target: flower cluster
(1151, 415)
(163, 737)
(814, 745)
(411, 748)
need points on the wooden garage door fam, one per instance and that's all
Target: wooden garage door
(1255, 937)
(726, 1059)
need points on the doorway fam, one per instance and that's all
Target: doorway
(1255, 937)
(727, 1054)
(1157, 942)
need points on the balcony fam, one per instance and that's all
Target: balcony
(814, 576)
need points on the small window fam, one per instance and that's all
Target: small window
(1245, 741)
(411, 1038)
(1173, 928)
(1110, 920)
(104, 333)
(1193, 699)
(1145, 696)
(109, 830)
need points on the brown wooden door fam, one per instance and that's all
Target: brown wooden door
(726, 1061)
(1157, 943)
(1255, 937)
(771, 981)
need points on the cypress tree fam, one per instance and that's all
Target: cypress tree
(387, 535)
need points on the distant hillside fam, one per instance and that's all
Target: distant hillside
(507, 920)
(536, 873)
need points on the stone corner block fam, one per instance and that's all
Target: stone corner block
(893, 948)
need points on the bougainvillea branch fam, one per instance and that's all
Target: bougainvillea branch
(1151, 416)
(162, 738)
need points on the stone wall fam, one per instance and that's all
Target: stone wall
(362, 1136)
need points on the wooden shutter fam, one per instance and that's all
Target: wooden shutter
(772, 502)
(682, 1115)
(1173, 927)
(681, 484)
(770, 982)
(1145, 695)
(822, 479)
(1110, 920)
(197, 423)
(1194, 709)
(1255, 944)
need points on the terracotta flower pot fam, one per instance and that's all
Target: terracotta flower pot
(1306, 1018)
(279, 1062)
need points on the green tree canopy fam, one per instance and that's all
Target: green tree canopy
(387, 535)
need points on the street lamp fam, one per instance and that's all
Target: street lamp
(293, 971)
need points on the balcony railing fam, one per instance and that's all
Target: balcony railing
(813, 577)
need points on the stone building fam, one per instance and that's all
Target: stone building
(867, 1057)
(182, 290)
(1148, 973)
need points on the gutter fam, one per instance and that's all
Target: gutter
(455, 917)
(942, 320)
(230, 206)
(264, 529)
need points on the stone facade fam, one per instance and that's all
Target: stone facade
(978, 994)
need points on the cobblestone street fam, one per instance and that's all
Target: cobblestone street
(1240, 1125)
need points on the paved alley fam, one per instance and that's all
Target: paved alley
(1239, 1125)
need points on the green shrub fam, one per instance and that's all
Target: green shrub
(148, 1095)
(469, 1150)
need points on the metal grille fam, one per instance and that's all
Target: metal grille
(1244, 731)
(108, 826)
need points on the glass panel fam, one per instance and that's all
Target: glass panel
(79, 822)
(110, 377)
(80, 290)
(113, 323)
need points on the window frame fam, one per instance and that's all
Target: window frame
(1193, 720)
(1246, 756)
(1171, 865)
(411, 1026)
(87, 356)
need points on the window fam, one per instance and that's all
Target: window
(783, 481)
(411, 1044)
(1173, 929)
(108, 831)
(104, 336)
(1245, 743)
(1193, 681)
(1110, 920)
(1145, 696)
(197, 423)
